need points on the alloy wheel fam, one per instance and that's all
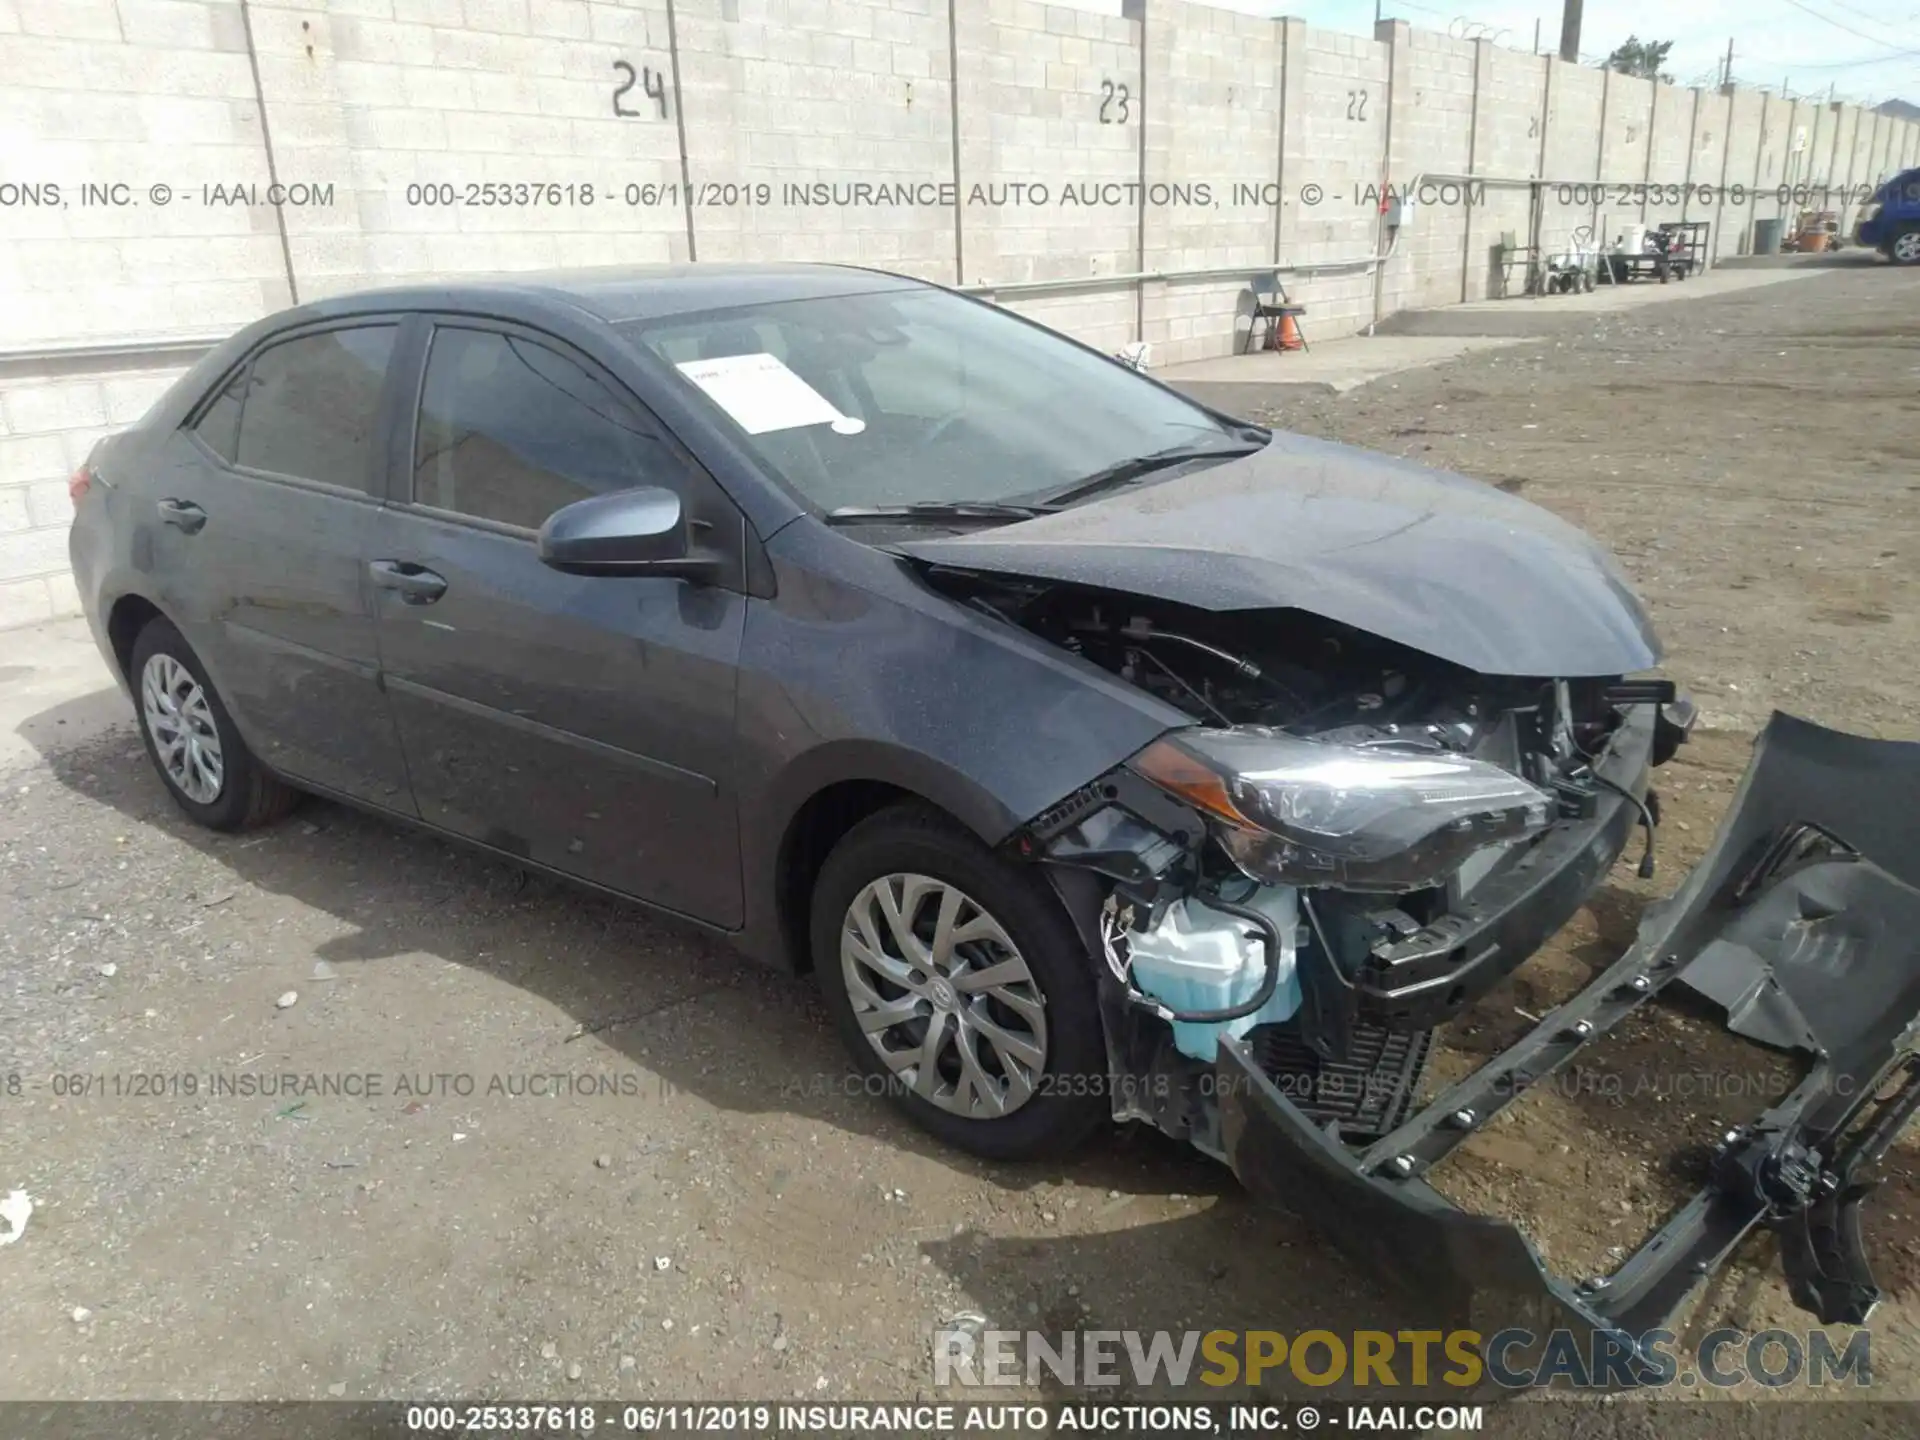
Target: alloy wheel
(180, 721)
(944, 996)
(1906, 247)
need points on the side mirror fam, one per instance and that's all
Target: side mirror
(630, 532)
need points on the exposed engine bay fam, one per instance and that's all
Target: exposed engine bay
(1461, 818)
(1292, 671)
(1353, 841)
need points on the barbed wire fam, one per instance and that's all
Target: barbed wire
(1465, 27)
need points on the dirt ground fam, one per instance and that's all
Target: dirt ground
(708, 1208)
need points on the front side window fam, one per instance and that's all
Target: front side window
(312, 406)
(511, 431)
(916, 395)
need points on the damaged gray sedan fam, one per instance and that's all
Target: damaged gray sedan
(1102, 755)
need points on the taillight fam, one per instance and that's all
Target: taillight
(78, 483)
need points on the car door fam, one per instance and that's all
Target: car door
(260, 531)
(585, 723)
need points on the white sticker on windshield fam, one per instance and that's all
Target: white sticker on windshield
(761, 393)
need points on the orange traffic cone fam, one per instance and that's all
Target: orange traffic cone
(1290, 334)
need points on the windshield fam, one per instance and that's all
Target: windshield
(914, 396)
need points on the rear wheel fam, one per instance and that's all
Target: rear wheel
(1905, 249)
(956, 978)
(191, 739)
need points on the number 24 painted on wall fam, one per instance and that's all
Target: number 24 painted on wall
(652, 83)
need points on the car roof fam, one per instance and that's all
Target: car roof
(617, 294)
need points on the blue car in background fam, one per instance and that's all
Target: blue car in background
(1891, 222)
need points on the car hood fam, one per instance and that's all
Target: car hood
(1439, 562)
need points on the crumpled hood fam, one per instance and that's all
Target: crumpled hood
(1444, 564)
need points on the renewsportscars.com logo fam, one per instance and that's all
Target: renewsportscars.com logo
(1515, 1359)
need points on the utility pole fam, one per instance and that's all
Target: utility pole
(1570, 31)
(1726, 67)
(1536, 34)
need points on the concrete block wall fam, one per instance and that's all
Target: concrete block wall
(1862, 160)
(1212, 118)
(864, 94)
(1055, 152)
(1671, 132)
(1771, 162)
(1508, 126)
(407, 107)
(1837, 124)
(1050, 97)
(1711, 128)
(48, 423)
(1433, 105)
(1576, 102)
(1338, 104)
(146, 99)
(1746, 131)
(1625, 139)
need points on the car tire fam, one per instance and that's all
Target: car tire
(1059, 1101)
(220, 784)
(1904, 248)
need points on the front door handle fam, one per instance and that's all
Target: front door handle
(416, 584)
(182, 515)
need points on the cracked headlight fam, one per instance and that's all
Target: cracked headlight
(1293, 811)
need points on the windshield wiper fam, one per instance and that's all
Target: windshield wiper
(1127, 471)
(936, 510)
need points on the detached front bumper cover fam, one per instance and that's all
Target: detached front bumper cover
(1803, 923)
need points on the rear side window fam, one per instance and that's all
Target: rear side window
(312, 405)
(219, 427)
(511, 431)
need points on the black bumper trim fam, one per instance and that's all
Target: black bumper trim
(1742, 931)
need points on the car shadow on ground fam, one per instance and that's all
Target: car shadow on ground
(615, 967)
(679, 1003)
(743, 1038)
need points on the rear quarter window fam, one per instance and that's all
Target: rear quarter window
(219, 426)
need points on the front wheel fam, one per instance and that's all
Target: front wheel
(956, 979)
(191, 738)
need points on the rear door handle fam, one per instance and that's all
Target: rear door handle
(182, 515)
(416, 584)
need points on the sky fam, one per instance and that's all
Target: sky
(1866, 50)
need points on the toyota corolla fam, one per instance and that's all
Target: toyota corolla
(1101, 755)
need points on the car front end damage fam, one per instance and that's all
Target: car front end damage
(1326, 880)
(1381, 855)
(1419, 737)
(1800, 924)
